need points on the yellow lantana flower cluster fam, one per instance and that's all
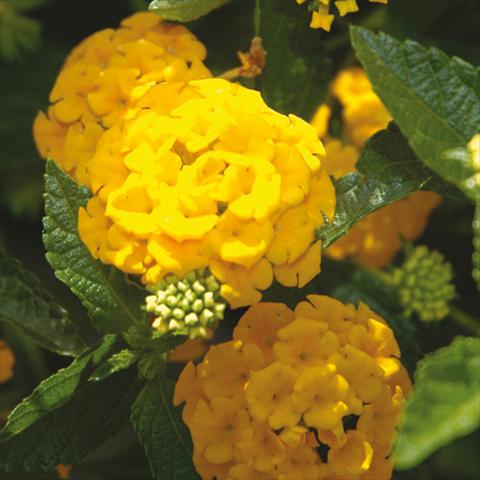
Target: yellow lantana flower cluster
(376, 239)
(321, 13)
(7, 361)
(311, 394)
(204, 174)
(104, 76)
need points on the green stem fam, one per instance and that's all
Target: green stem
(465, 321)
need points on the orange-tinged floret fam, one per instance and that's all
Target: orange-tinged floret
(259, 413)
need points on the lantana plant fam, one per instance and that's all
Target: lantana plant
(249, 245)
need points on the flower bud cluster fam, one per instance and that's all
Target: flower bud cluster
(313, 393)
(376, 239)
(205, 174)
(192, 303)
(104, 76)
(424, 284)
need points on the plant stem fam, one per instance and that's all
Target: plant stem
(465, 321)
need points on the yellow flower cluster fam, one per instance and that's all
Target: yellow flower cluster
(376, 239)
(204, 174)
(7, 361)
(322, 16)
(101, 79)
(308, 394)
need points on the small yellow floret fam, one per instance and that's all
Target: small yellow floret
(321, 16)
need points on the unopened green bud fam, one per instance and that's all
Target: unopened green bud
(209, 299)
(206, 317)
(197, 306)
(171, 301)
(178, 314)
(198, 288)
(190, 296)
(192, 302)
(424, 284)
(191, 318)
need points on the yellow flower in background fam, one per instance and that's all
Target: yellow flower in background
(256, 412)
(322, 16)
(210, 177)
(376, 239)
(101, 79)
(7, 361)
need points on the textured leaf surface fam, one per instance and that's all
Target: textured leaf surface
(297, 72)
(66, 416)
(389, 171)
(434, 99)
(111, 299)
(26, 304)
(445, 403)
(117, 362)
(184, 10)
(163, 434)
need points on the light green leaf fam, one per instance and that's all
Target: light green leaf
(111, 299)
(445, 403)
(184, 10)
(26, 304)
(460, 169)
(297, 72)
(66, 416)
(434, 98)
(163, 434)
(391, 171)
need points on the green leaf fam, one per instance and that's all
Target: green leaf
(117, 362)
(18, 33)
(445, 403)
(66, 416)
(434, 98)
(461, 171)
(389, 171)
(184, 10)
(111, 299)
(26, 304)
(297, 72)
(163, 434)
(476, 245)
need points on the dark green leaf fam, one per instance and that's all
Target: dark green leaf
(163, 434)
(26, 304)
(445, 403)
(297, 72)
(434, 99)
(184, 10)
(476, 245)
(112, 300)
(117, 362)
(391, 172)
(66, 416)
